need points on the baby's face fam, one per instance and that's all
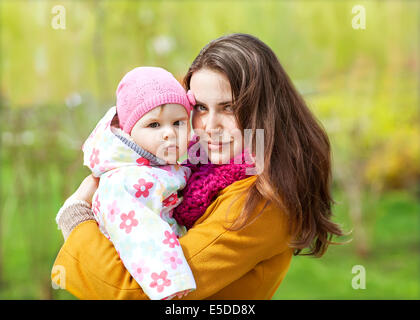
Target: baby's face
(164, 132)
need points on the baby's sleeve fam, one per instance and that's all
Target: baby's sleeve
(146, 244)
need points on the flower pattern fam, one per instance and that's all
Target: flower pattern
(172, 258)
(128, 221)
(113, 211)
(94, 158)
(143, 188)
(171, 200)
(143, 161)
(140, 270)
(96, 205)
(160, 281)
(171, 239)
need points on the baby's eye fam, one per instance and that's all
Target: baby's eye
(153, 125)
(199, 107)
(179, 123)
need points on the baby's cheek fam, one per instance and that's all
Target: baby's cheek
(146, 141)
(183, 138)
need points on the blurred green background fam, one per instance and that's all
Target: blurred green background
(362, 84)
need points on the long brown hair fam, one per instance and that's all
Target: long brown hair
(297, 161)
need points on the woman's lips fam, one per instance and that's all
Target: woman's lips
(216, 146)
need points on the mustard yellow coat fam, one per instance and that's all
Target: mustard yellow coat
(246, 264)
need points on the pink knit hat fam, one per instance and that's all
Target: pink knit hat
(145, 88)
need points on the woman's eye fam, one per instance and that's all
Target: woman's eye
(199, 107)
(153, 125)
(229, 108)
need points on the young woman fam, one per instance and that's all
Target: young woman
(241, 245)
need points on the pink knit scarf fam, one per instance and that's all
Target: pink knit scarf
(204, 184)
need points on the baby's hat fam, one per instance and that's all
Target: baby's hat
(145, 88)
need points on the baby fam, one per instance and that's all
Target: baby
(134, 150)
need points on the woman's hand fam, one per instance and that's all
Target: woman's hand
(78, 207)
(86, 189)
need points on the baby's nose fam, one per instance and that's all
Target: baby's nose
(169, 133)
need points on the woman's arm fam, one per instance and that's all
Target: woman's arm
(217, 257)
(80, 203)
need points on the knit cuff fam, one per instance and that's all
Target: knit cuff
(72, 213)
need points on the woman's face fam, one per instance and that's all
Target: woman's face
(212, 117)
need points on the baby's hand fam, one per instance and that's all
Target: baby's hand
(86, 189)
(182, 294)
(179, 295)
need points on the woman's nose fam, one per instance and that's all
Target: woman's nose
(212, 124)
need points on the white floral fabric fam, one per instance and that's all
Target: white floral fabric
(133, 206)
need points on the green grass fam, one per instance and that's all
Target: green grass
(392, 268)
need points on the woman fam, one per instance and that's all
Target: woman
(241, 247)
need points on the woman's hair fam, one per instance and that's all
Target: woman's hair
(297, 161)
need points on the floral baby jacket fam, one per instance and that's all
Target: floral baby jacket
(133, 207)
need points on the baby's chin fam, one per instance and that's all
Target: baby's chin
(172, 157)
(171, 160)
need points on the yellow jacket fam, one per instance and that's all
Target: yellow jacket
(246, 264)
